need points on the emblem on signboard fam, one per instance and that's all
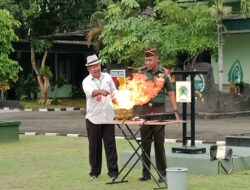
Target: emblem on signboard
(183, 91)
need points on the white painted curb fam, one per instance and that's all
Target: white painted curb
(170, 140)
(43, 110)
(30, 133)
(220, 142)
(51, 134)
(72, 135)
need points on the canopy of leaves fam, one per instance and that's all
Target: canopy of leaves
(218, 8)
(98, 21)
(45, 17)
(8, 68)
(42, 18)
(177, 31)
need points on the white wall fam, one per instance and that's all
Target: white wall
(236, 46)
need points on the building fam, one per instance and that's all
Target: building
(236, 52)
(66, 60)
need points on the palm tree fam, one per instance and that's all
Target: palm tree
(219, 10)
(97, 22)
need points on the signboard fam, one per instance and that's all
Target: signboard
(183, 91)
(118, 76)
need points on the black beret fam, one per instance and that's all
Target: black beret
(150, 52)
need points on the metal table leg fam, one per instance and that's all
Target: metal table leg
(139, 143)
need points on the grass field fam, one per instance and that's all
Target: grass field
(61, 163)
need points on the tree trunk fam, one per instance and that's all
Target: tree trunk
(44, 91)
(220, 53)
(46, 84)
(2, 95)
(43, 81)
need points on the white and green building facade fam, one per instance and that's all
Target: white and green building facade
(236, 53)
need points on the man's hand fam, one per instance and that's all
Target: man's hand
(100, 92)
(95, 93)
(171, 95)
(177, 115)
(104, 92)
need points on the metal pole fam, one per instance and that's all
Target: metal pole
(192, 111)
(184, 118)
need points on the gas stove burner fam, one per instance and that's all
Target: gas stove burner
(121, 114)
(160, 116)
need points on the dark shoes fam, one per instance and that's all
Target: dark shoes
(144, 178)
(161, 180)
(93, 176)
(113, 176)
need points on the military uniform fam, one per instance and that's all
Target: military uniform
(155, 133)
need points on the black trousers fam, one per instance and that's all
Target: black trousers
(155, 133)
(97, 134)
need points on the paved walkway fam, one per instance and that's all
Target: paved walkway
(72, 122)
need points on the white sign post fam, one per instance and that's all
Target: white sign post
(118, 73)
(118, 76)
(183, 91)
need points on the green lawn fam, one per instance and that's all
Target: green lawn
(61, 163)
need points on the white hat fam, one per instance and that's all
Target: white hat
(92, 60)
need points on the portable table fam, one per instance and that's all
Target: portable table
(132, 136)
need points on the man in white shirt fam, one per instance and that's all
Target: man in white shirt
(98, 88)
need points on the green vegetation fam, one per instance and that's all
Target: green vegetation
(60, 103)
(8, 68)
(175, 30)
(41, 19)
(61, 163)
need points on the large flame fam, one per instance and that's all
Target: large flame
(137, 90)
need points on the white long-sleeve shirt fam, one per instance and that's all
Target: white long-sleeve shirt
(99, 111)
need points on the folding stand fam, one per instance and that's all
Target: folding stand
(132, 136)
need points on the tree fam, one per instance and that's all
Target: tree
(219, 10)
(8, 68)
(176, 30)
(42, 18)
(98, 21)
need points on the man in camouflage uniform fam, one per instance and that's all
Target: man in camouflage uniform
(156, 105)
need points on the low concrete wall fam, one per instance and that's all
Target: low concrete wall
(11, 104)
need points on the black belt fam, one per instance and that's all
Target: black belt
(154, 104)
